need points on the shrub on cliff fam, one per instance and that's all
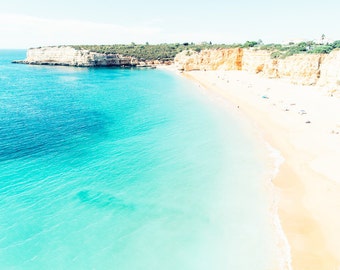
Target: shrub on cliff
(249, 44)
(276, 54)
(336, 44)
(321, 49)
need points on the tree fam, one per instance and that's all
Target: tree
(249, 44)
(336, 44)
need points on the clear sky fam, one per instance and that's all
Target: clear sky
(31, 23)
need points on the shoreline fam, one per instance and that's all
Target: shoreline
(307, 138)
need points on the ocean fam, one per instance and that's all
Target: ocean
(109, 168)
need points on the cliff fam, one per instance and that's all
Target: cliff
(305, 69)
(330, 70)
(68, 56)
(228, 59)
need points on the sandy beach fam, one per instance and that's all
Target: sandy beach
(303, 124)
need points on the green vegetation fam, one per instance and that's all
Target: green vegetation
(249, 44)
(152, 52)
(166, 52)
(283, 51)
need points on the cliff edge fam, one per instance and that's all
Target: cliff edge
(68, 56)
(305, 69)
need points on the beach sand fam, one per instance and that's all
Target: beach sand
(303, 124)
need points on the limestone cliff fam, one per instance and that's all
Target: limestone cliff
(330, 71)
(306, 69)
(68, 56)
(228, 59)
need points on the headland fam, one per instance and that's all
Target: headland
(294, 101)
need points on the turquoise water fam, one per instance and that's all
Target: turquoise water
(124, 169)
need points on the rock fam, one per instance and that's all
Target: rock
(330, 72)
(225, 59)
(301, 68)
(68, 56)
(304, 69)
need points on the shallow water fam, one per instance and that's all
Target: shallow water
(125, 169)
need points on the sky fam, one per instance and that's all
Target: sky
(32, 23)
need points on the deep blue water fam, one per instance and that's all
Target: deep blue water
(124, 169)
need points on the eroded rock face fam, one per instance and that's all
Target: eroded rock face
(305, 69)
(301, 68)
(330, 71)
(258, 61)
(68, 56)
(227, 59)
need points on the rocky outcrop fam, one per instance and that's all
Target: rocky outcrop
(228, 59)
(306, 69)
(330, 71)
(258, 61)
(301, 68)
(68, 56)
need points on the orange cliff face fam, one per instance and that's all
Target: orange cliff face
(330, 71)
(305, 69)
(226, 59)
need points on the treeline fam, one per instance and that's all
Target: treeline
(164, 52)
(283, 51)
(151, 52)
